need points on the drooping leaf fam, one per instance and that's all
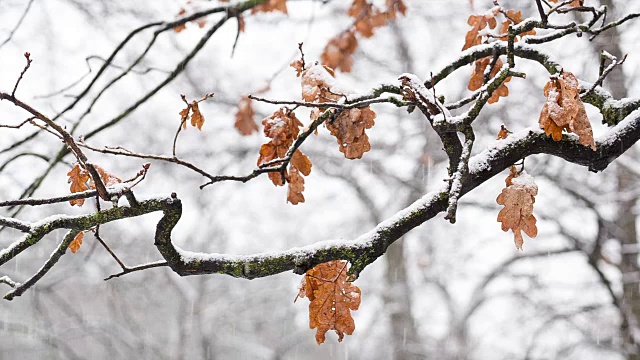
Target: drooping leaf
(78, 178)
(349, 130)
(518, 198)
(76, 242)
(477, 78)
(564, 110)
(245, 123)
(478, 23)
(337, 54)
(197, 120)
(332, 298)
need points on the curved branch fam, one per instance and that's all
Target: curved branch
(368, 247)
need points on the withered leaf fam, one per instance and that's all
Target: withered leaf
(518, 198)
(197, 120)
(337, 53)
(368, 17)
(298, 65)
(477, 78)
(479, 22)
(78, 178)
(77, 241)
(332, 298)
(107, 178)
(245, 123)
(317, 82)
(349, 130)
(564, 110)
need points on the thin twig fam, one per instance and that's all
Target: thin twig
(26, 67)
(128, 270)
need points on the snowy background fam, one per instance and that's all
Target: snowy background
(443, 292)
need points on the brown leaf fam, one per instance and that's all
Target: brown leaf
(332, 298)
(368, 17)
(317, 82)
(271, 5)
(477, 78)
(479, 22)
(518, 198)
(245, 123)
(107, 178)
(298, 65)
(282, 127)
(197, 120)
(349, 130)
(77, 241)
(514, 18)
(337, 53)
(564, 110)
(296, 186)
(184, 114)
(78, 177)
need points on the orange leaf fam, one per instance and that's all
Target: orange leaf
(197, 120)
(477, 78)
(518, 198)
(298, 65)
(77, 241)
(184, 114)
(107, 178)
(244, 117)
(317, 83)
(564, 110)
(349, 130)
(479, 22)
(367, 17)
(337, 53)
(332, 298)
(78, 177)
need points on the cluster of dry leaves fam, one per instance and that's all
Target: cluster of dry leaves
(81, 181)
(283, 128)
(564, 110)
(480, 35)
(331, 299)
(338, 52)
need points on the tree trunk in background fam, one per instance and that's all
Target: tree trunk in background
(406, 342)
(626, 217)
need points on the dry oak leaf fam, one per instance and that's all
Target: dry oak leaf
(271, 5)
(337, 53)
(564, 110)
(517, 214)
(197, 120)
(245, 123)
(478, 23)
(298, 65)
(477, 78)
(78, 178)
(283, 128)
(107, 178)
(318, 85)
(332, 298)
(514, 18)
(77, 241)
(349, 130)
(368, 17)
